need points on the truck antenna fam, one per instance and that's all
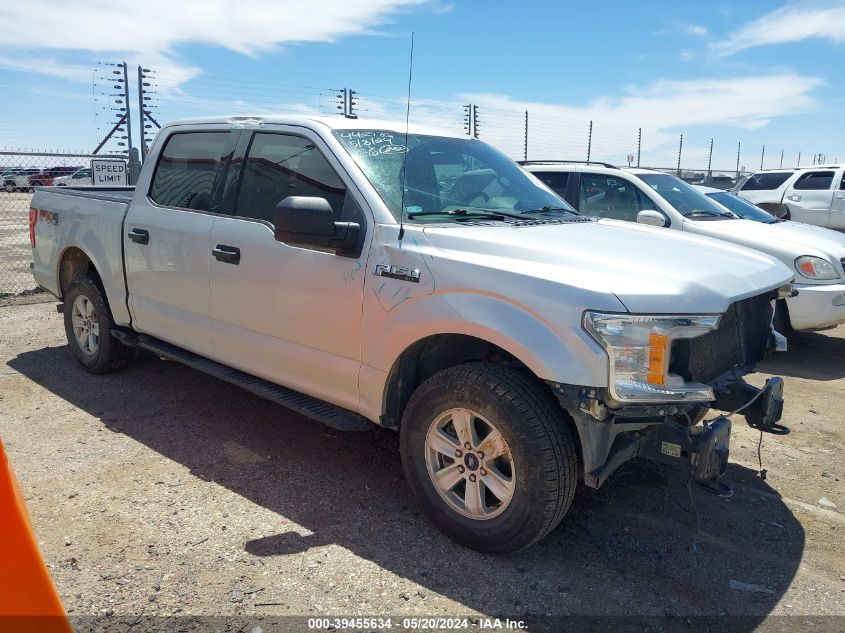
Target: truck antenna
(405, 153)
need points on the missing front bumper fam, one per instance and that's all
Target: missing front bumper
(761, 408)
(702, 450)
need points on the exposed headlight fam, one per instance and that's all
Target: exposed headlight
(639, 348)
(815, 268)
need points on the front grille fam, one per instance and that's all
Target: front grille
(740, 340)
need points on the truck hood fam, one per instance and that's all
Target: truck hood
(784, 240)
(650, 270)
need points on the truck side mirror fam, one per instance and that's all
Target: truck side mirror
(652, 218)
(309, 221)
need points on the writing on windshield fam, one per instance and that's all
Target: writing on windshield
(444, 174)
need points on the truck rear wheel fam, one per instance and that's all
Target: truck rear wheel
(490, 456)
(88, 324)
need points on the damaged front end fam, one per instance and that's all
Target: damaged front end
(666, 372)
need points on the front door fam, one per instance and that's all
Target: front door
(289, 314)
(810, 196)
(166, 241)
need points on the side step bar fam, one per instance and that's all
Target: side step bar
(328, 414)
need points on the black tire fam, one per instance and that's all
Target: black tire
(9, 187)
(110, 354)
(537, 433)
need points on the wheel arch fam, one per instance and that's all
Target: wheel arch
(78, 257)
(434, 353)
(72, 262)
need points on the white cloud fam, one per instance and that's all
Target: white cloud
(791, 23)
(662, 109)
(151, 30)
(697, 29)
(46, 66)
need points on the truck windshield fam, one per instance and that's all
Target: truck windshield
(447, 178)
(689, 202)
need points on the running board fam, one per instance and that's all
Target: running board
(328, 414)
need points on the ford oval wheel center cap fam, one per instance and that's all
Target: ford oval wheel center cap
(471, 461)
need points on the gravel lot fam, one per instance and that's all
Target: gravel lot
(159, 490)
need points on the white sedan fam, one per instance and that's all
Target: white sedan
(816, 253)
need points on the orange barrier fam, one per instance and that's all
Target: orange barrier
(28, 599)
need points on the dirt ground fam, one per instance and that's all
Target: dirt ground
(158, 490)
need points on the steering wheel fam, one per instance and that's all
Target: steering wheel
(474, 195)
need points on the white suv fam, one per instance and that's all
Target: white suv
(655, 198)
(813, 195)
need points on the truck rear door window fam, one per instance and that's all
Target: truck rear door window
(187, 168)
(282, 165)
(815, 180)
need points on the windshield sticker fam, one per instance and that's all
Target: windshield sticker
(413, 208)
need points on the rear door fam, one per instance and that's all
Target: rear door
(166, 238)
(809, 197)
(289, 314)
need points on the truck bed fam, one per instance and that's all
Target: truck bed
(114, 194)
(91, 219)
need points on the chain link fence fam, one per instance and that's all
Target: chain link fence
(20, 172)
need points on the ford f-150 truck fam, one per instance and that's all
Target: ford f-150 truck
(362, 273)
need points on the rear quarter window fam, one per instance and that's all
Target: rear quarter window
(766, 181)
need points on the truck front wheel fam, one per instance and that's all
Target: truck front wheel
(490, 456)
(88, 324)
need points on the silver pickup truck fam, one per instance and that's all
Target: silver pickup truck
(363, 274)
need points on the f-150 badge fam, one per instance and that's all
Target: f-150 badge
(398, 272)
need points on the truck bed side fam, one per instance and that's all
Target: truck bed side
(87, 219)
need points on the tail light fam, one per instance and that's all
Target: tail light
(33, 218)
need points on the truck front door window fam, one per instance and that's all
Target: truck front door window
(187, 169)
(282, 165)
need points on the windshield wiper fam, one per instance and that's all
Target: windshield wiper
(467, 213)
(548, 209)
(711, 214)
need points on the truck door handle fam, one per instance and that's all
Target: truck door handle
(139, 236)
(794, 198)
(227, 254)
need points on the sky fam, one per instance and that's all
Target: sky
(763, 73)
